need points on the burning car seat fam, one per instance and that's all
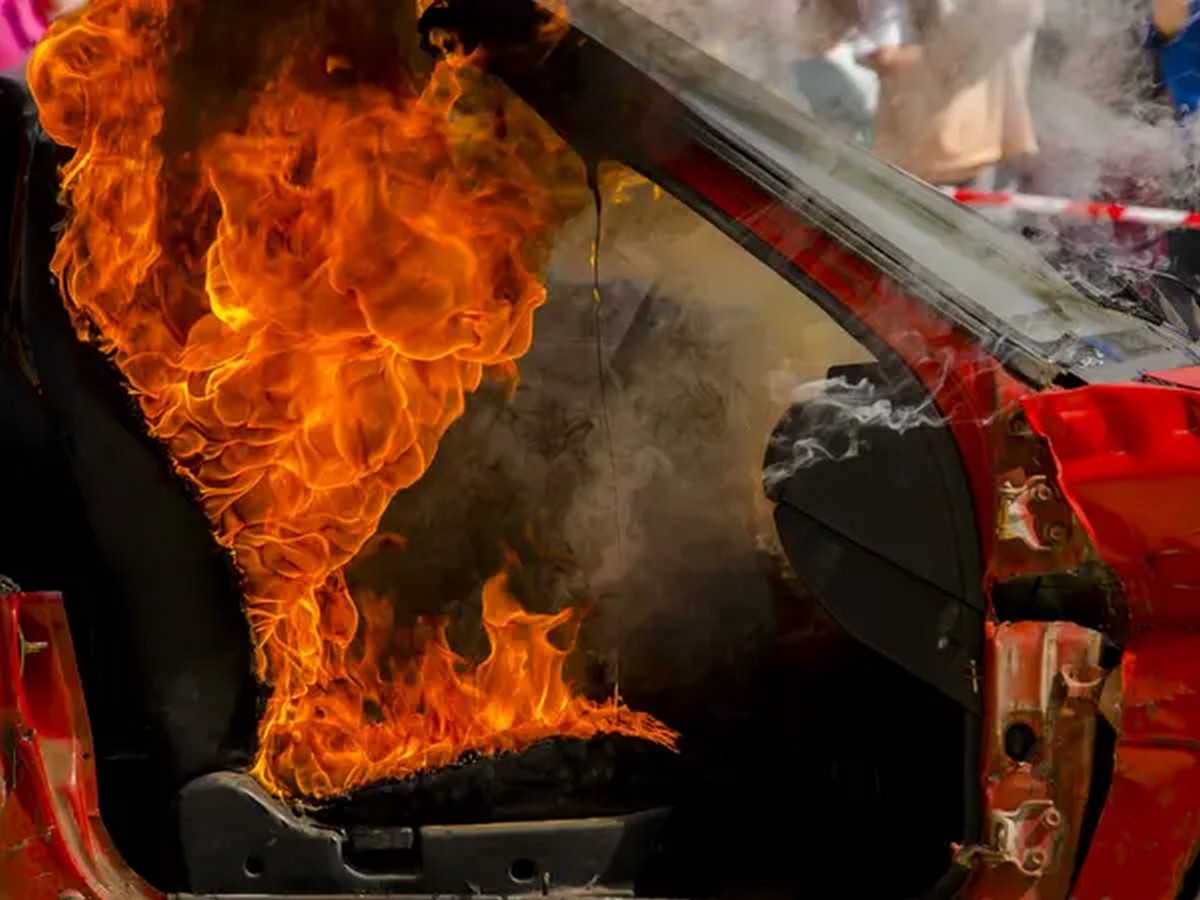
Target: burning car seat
(182, 638)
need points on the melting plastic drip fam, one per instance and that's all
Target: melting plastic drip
(597, 198)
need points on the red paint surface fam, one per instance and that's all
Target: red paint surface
(1129, 461)
(1188, 377)
(51, 836)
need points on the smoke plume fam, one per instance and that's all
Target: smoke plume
(627, 467)
(830, 421)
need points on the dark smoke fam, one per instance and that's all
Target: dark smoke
(226, 50)
(702, 347)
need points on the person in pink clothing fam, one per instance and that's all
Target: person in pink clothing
(22, 25)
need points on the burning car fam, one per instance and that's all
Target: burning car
(355, 352)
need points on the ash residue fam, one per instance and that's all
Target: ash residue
(556, 778)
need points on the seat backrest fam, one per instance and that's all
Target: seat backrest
(150, 593)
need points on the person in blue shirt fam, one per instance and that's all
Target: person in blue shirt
(1175, 39)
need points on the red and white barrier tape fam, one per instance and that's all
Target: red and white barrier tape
(1077, 209)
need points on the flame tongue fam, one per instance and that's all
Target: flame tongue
(405, 701)
(300, 306)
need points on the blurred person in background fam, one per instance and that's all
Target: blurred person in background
(22, 25)
(839, 90)
(1174, 39)
(954, 83)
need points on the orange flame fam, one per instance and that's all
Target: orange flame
(300, 305)
(427, 704)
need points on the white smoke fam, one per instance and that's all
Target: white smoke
(831, 421)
